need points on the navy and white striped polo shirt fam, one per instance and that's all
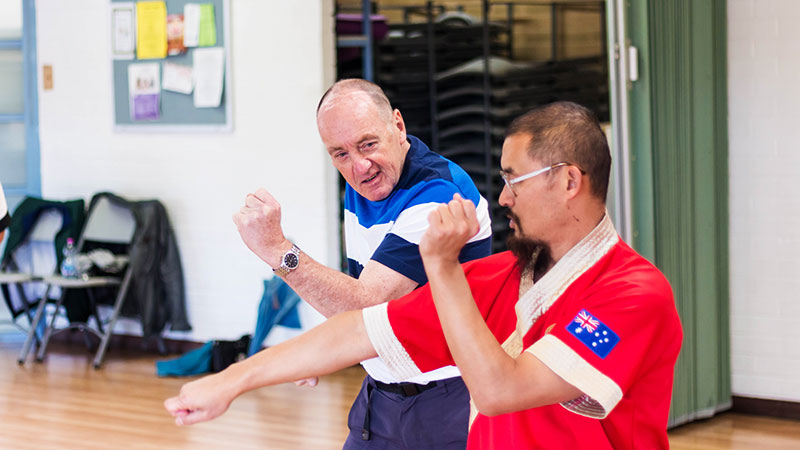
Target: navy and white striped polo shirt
(389, 230)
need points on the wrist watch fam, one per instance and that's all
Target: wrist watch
(289, 262)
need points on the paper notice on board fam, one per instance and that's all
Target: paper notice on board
(123, 30)
(209, 74)
(191, 24)
(151, 30)
(177, 78)
(175, 35)
(144, 91)
(208, 26)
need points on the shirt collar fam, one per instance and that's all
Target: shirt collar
(580, 258)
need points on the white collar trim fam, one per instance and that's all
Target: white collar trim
(585, 254)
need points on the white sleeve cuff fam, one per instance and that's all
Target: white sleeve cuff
(600, 393)
(389, 348)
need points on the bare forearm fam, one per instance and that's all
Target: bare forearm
(337, 343)
(497, 382)
(484, 365)
(331, 292)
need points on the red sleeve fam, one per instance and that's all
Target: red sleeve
(601, 343)
(407, 334)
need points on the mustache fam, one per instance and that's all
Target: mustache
(510, 214)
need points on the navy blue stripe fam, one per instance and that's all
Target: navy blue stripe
(423, 165)
(476, 250)
(401, 256)
(354, 268)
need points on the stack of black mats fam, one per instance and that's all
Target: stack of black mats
(465, 118)
(462, 127)
(404, 67)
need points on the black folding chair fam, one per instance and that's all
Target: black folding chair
(24, 267)
(106, 223)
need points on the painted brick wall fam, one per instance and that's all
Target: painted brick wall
(764, 100)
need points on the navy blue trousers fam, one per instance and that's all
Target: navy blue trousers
(436, 419)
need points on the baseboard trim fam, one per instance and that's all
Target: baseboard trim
(125, 341)
(764, 407)
(699, 415)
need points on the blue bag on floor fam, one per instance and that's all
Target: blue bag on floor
(278, 306)
(195, 362)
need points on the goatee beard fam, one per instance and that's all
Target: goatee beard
(532, 255)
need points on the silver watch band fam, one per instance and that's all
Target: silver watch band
(289, 262)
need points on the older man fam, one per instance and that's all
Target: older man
(393, 182)
(567, 341)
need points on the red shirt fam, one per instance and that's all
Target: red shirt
(622, 358)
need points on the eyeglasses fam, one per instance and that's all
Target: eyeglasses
(510, 182)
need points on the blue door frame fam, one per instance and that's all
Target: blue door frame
(30, 116)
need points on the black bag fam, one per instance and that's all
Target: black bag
(225, 353)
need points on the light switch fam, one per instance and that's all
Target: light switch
(47, 77)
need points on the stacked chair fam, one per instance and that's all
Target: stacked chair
(471, 120)
(459, 99)
(412, 53)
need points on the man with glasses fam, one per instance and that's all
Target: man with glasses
(569, 340)
(393, 182)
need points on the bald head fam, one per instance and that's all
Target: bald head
(350, 88)
(365, 138)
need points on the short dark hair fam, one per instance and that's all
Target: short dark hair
(357, 84)
(568, 132)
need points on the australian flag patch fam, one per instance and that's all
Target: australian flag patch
(594, 334)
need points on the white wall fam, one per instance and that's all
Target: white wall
(764, 131)
(281, 64)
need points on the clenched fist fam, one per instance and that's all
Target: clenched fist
(259, 225)
(451, 226)
(201, 400)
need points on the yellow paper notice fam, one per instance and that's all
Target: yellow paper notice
(151, 30)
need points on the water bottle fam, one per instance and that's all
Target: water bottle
(68, 269)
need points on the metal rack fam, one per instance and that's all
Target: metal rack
(362, 41)
(461, 113)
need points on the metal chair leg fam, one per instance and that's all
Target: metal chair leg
(23, 354)
(49, 331)
(161, 346)
(93, 306)
(27, 306)
(123, 289)
(29, 316)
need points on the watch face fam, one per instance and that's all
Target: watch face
(290, 260)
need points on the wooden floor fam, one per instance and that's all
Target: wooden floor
(64, 403)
